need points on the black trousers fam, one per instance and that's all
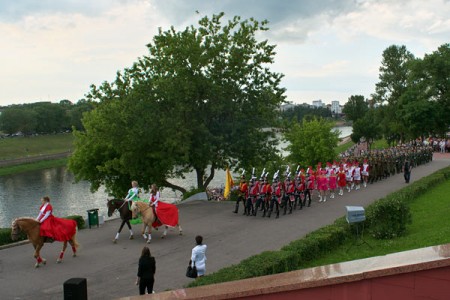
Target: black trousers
(146, 284)
(407, 176)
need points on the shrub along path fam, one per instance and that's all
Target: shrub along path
(111, 269)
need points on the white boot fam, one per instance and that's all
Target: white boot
(320, 198)
(116, 238)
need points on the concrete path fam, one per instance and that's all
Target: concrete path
(111, 269)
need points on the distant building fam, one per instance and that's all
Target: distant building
(335, 107)
(287, 106)
(318, 103)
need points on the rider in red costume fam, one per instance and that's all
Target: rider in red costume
(166, 213)
(52, 227)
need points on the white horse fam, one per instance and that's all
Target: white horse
(148, 218)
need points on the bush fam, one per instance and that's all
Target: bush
(388, 217)
(5, 236)
(79, 219)
(234, 194)
(321, 241)
(191, 192)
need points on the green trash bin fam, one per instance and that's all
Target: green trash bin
(92, 217)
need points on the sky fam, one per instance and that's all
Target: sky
(52, 50)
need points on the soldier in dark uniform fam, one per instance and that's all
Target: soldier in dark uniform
(242, 193)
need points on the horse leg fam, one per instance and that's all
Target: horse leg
(118, 232)
(144, 235)
(165, 232)
(131, 231)
(149, 239)
(61, 255)
(37, 255)
(180, 230)
(73, 243)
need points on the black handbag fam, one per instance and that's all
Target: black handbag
(191, 272)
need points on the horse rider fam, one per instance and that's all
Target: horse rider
(133, 193)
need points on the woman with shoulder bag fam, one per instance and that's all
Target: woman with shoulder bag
(198, 257)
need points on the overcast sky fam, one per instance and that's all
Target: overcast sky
(327, 49)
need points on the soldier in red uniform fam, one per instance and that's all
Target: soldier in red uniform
(289, 189)
(298, 191)
(276, 195)
(253, 192)
(264, 192)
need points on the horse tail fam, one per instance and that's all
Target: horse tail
(74, 237)
(75, 242)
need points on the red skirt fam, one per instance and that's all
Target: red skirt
(58, 229)
(167, 214)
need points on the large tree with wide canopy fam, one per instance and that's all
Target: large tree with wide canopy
(198, 101)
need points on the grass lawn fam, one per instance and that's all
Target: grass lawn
(343, 147)
(19, 147)
(45, 164)
(429, 227)
(379, 144)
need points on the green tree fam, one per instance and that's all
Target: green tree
(355, 108)
(298, 112)
(366, 127)
(76, 111)
(199, 101)
(18, 119)
(312, 142)
(425, 106)
(394, 71)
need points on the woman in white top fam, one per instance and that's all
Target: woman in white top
(199, 256)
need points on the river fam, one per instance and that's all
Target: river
(20, 193)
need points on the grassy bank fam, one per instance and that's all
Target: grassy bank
(45, 164)
(18, 147)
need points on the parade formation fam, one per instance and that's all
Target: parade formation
(353, 172)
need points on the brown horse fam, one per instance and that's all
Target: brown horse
(31, 227)
(148, 217)
(125, 214)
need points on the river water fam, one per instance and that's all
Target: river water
(20, 194)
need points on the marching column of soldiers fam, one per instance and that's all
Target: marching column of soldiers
(351, 173)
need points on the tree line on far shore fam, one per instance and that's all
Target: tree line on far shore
(43, 117)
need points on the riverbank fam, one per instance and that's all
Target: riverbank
(40, 164)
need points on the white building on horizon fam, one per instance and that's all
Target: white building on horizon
(318, 103)
(335, 107)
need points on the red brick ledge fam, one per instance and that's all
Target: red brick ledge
(345, 272)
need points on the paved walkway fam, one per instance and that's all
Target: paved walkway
(111, 269)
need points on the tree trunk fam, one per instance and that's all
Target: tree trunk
(210, 177)
(202, 182)
(173, 186)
